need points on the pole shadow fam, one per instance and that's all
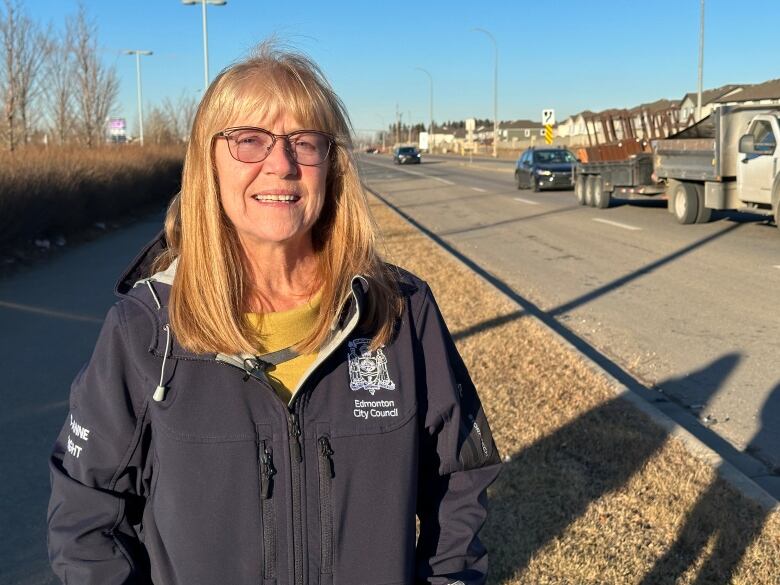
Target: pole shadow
(714, 518)
(548, 485)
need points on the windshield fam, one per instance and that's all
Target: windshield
(407, 150)
(553, 156)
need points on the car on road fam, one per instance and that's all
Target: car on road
(406, 155)
(545, 168)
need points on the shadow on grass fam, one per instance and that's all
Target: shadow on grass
(732, 529)
(550, 484)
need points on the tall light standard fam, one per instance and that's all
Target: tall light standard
(495, 92)
(138, 54)
(205, 35)
(430, 137)
(701, 62)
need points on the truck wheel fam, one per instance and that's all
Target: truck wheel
(579, 189)
(703, 213)
(601, 198)
(590, 183)
(777, 214)
(517, 181)
(686, 203)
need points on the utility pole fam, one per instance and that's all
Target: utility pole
(495, 91)
(431, 141)
(410, 126)
(205, 34)
(701, 62)
(397, 125)
(138, 54)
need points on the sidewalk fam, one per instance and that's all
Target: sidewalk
(594, 491)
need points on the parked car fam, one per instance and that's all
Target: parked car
(545, 168)
(406, 155)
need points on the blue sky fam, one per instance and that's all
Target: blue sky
(565, 54)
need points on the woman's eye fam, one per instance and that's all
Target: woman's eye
(248, 140)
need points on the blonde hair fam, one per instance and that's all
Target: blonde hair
(212, 284)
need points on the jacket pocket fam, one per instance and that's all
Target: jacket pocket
(267, 471)
(326, 474)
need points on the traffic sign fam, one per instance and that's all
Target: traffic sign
(548, 117)
(548, 134)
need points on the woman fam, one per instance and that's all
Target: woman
(274, 404)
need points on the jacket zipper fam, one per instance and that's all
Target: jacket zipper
(326, 510)
(267, 471)
(296, 459)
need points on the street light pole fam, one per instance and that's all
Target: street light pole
(138, 54)
(205, 34)
(701, 62)
(430, 138)
(495, 91)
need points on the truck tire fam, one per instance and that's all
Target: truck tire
(579, 189)
(517, 181)
(685, 202)
(590, 183)
(777, 214)
(703, 213)
(601, 197)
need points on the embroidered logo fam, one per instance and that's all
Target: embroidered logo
(367, 369)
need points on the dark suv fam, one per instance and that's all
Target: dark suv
(545, 168)
(406, 154)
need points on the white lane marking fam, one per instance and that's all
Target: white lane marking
(478, 190)
(528, 201)
(625, 226)
(423, 175)
(777, 266)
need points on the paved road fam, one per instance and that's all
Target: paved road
(49, 320)
(689, 311)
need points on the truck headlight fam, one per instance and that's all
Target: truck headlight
(543, 172)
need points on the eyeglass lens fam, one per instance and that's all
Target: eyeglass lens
(254, 145)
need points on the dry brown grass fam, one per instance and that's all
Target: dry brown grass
(594, 492)
(47, 191)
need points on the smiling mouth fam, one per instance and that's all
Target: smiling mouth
(273, 198)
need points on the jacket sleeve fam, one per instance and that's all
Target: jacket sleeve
(97, 494)
(458, 461)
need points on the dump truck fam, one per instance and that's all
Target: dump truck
(728, 160)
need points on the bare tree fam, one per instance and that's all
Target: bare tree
(97, 86)
(59, 73)
(33, 52)
(159, 128)
(180, 115)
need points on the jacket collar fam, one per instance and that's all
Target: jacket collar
(152, 293)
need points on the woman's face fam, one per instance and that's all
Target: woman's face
(275, 201)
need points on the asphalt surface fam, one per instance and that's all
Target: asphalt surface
(688, 312)
(50, 317)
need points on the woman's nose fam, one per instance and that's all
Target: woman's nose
(280, 160)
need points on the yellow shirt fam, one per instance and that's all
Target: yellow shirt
(283, 329)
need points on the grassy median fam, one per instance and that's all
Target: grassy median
(593, 491)
(55, 191)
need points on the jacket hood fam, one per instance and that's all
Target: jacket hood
(141, 266)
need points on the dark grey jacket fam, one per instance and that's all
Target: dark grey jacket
(184, 469)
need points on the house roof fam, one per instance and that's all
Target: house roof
(759, 91)
(656, 106)
(711, 95)
(520, 124)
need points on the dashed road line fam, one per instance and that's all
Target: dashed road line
(625, 226)
(445, 181)
(528, 201)
(478, 190)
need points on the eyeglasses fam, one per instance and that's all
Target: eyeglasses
(251, 145)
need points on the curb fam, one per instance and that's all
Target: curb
(726, 470)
